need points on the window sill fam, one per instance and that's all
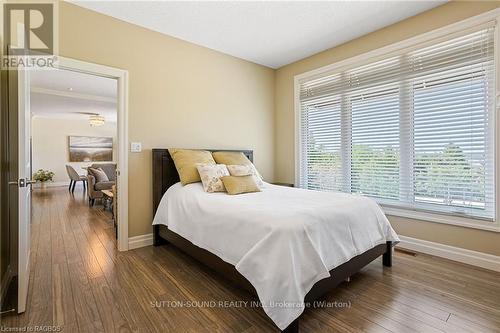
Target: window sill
(466, 222)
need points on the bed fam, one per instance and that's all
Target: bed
(275, 243)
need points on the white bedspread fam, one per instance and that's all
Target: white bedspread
(283, 240)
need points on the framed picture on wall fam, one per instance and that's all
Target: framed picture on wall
(90, 149)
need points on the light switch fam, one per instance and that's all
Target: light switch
(135, 147)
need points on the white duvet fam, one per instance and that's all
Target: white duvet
(283, 240)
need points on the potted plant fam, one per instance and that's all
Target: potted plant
(43, 176)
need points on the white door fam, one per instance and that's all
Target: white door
(24, 122)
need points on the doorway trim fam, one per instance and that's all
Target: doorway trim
(121, 76)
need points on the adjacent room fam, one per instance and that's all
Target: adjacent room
(74, 140)
(250, 166)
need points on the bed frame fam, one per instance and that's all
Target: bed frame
(165, 175)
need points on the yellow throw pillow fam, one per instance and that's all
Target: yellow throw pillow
(230, 157)
(186, 160)
(241, 184)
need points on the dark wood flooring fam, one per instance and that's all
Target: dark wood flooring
(80, 283)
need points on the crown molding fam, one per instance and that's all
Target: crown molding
(70, 94)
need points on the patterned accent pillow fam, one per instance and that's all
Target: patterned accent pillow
(211, 175)
(246, 170)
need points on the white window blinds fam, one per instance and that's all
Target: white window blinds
(415, 130)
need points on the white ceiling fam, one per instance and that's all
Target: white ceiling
(270, 33)
(73, 95)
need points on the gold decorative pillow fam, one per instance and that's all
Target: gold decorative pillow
(246, 170)
(230, 157)
(186, 160)
(238, 185)
(211, 175)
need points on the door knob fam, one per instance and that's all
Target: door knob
(22, 182)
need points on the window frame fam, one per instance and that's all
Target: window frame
(434, 36)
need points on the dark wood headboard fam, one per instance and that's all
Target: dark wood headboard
(165, 174)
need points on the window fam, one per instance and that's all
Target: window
(414, 130)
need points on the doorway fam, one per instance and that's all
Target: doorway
(19, 105)
(121, 150)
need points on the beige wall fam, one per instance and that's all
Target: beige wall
(184, 95)
(180, 95)
(478, 240)
(50, 143)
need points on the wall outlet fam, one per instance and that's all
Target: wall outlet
(135, 147)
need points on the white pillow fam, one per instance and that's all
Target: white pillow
(246, 170)
(211, 175)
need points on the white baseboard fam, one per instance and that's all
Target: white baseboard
(480, 259)
(140, 241)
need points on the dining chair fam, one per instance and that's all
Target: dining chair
(75, 177)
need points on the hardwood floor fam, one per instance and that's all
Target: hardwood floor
(80, 283)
